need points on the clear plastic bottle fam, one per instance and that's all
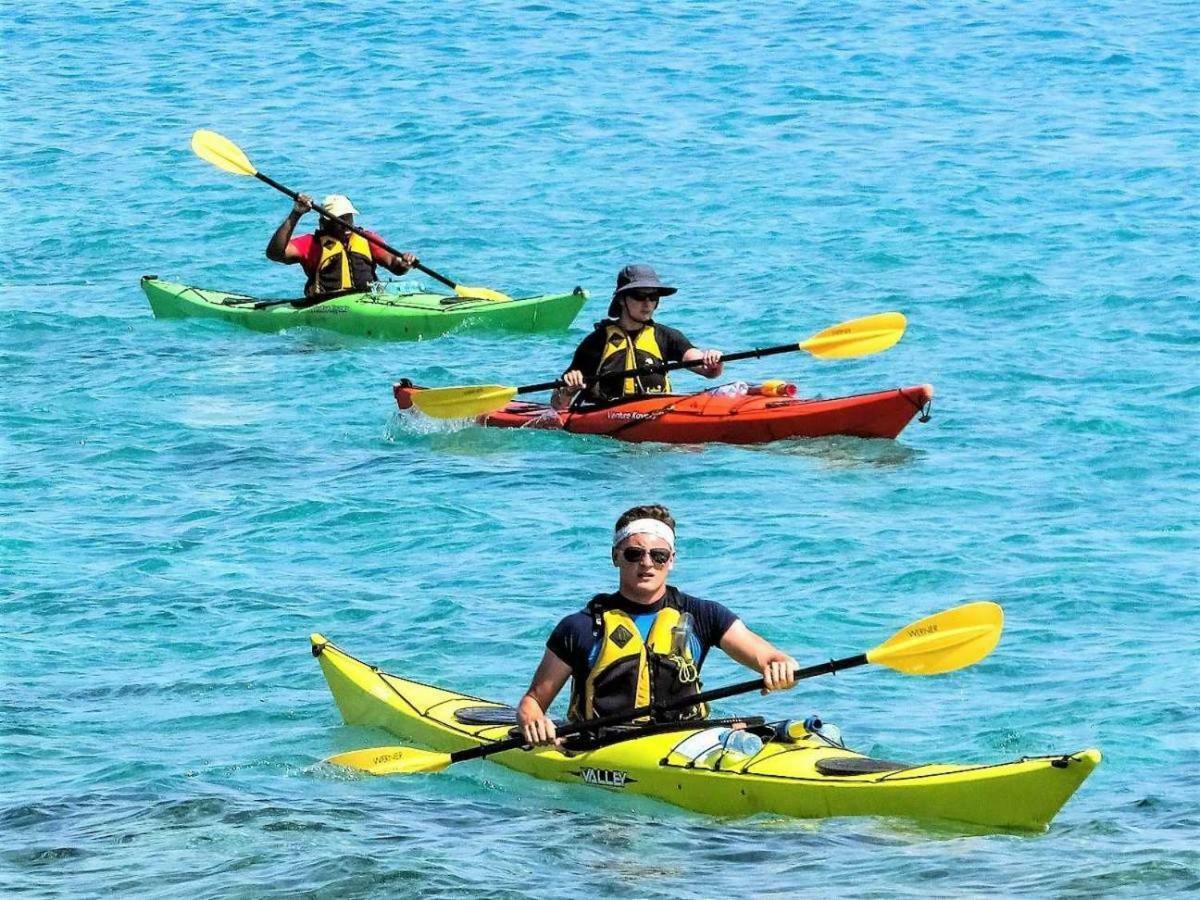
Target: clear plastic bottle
(832, 734)
(740, 745)
(681, 634)
(733, 389)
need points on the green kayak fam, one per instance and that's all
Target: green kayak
(377, 314)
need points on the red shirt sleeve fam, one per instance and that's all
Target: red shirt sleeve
(309, 250)
(377, 252)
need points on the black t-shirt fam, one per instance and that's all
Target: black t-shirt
(590, 351)
(574, 640)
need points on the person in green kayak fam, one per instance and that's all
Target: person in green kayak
(644, 644)
(334, 258)
(628, 339)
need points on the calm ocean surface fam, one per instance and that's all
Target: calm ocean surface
(182, 502)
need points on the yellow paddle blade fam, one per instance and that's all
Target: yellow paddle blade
(943, 642)
(221, 152)
(480, 293)
(858, 337)
(392, 760)
(462, 402)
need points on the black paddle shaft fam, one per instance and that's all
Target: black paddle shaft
(379, 242)
(663, 367)
(745, 687)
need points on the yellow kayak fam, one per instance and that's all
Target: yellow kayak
(797, 772)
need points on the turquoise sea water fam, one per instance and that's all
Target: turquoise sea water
(183, 502)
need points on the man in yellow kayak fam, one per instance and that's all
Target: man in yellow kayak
(628, 339)
(334, 258)
(646, 643)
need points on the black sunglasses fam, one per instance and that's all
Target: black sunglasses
(648, 296)
(658, 556)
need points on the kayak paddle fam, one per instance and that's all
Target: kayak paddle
(225, 154)
(946, 641)
(858, 337)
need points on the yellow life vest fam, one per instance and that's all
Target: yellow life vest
(342, 266)
(630, 672)
(621, 351)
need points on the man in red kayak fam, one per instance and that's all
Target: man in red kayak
(630, 338)
(334, 258)
(646, 643)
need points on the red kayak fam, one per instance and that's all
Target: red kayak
(708, 417)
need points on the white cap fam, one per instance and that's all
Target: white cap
(338, 205)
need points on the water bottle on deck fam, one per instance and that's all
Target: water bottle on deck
(740, 746)
(733, 389)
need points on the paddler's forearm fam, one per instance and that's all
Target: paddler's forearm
(277, 246)
(552, 673)
(751, 650)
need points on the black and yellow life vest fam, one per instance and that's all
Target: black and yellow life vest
(342, 266)
(630, 672)
(623, 351)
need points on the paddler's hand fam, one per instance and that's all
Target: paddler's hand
(540, 732)
(779, 673)
(302, 205)
(710, 363)
(572, 383)
(536, 727)
(402, 262)
(705, 362)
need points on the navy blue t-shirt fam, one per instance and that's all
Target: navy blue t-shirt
(575, 643)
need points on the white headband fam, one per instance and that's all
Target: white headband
(646, 526)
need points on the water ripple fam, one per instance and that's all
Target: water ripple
(182, 502)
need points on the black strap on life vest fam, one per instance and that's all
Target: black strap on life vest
(596, 608)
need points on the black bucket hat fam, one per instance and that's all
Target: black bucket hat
(637, 278)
